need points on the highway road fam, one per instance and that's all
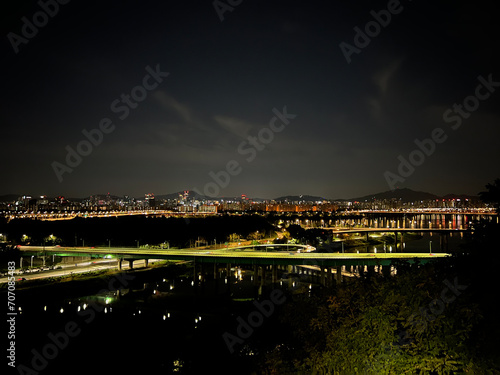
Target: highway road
(69, 269)
(230, 254)
(241, 254)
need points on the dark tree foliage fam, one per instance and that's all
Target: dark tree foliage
(492, 194)
(437, 318)
(128, 230)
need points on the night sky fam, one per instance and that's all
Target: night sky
(230, 72)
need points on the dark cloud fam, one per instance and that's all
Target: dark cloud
(353, 120)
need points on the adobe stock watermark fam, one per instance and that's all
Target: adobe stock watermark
(248, 148)
(30, 28)
(372, 29)
(121, 107)
(254, 319)
(59, 341)
(420, 320)
(437, 306)
(222, 7)
(453, 116)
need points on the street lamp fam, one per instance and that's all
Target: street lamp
(32, 261)
(430, 247)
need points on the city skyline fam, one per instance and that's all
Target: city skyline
(266, 99)
(405, 194)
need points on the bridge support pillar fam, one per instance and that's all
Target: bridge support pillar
(371, 270)
(367, 237)
(275, 273)
(146, 262)
(361, 270)
(323, 276)
(202, 272)
(215, 271)
(386, 270)
(255, 274)
(330, 277)
(339, 274)
(119, 264)
(131, 264)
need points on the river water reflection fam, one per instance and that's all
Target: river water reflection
(393, 220)
(157, 323)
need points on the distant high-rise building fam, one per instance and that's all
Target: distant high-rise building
(150, 200)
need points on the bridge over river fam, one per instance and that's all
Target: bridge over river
(264, 257)
(269, 254)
